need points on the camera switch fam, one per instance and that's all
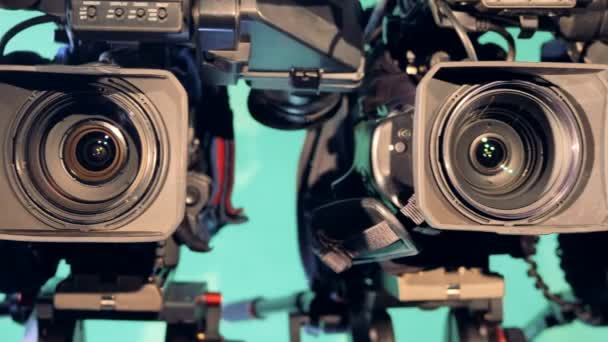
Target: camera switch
(91, 12)
(141, 12)
(119, 12)
(162, 13)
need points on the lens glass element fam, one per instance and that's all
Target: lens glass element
(96, 151)
(489, 152)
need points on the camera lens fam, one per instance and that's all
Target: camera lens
(95, 151)
(89, 156)
(508, 150)
(489, 153)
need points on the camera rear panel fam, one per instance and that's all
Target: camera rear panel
(575, 201)
(91, 154)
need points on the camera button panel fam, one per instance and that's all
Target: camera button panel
(103, 18)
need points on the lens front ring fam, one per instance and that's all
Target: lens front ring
(37, 156)
(552, 156)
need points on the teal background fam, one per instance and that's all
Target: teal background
(261, 256)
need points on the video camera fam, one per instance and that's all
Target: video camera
(418, 150)
(93, 171)
(122, 145)
(451, 152)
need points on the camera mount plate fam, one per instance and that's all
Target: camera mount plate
(191, 313)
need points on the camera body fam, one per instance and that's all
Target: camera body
(571, 20)
(91, 153)
(514, 148)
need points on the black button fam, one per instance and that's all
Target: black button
(91, 11)
(119, 12)
(162, 13)
(141, 12)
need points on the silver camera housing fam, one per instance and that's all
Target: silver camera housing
(574, 195)
(47, 196)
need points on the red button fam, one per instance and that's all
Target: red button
(212, 298)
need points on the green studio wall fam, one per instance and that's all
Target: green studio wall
(261, 256)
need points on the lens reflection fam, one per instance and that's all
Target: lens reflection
(490, 152)
(96, 151)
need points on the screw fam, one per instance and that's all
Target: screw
(192, 196)
(400, 147)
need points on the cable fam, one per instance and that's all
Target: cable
(511, 51)
(566, 306)
(10, 34)
(460, 30)
(374, 20)
(405, 5)
(5, 308)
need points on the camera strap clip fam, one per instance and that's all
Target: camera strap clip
(358, 231)
(306, 79)
(412, 212)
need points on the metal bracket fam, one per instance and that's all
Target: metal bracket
(190, 231)
(191, 313)
(441, 285)
(529, 25)
(306, 79)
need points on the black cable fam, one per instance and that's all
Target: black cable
(460, 30)
(375, 19)
(10, 34)
(5, 307)
(511, 51)
(404, 6)
(566, 306)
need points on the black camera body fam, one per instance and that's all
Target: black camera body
(581, 21)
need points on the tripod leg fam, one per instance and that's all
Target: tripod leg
(467, 326)
(463, 326)
(377, 329)
(58, 331)
(183, 333)
(514, 335)
(296, 321)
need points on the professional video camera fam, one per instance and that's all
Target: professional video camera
(121, 147)
(450, 152)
